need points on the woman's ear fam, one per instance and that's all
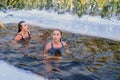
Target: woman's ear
(21, 27)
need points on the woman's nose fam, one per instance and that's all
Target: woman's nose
(26, 26)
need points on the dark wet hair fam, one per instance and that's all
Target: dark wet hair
(20, 26)
(59, 31)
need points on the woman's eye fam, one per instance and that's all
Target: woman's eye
(57, 34)
(25, 25)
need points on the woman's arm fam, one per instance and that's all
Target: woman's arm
(47, 47)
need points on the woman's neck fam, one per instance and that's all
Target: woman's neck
(57, 43)
(23, 32)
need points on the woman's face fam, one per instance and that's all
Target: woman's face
(24, 27)
(56, 36)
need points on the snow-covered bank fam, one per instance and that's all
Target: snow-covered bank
(9, 72)
(88, 25)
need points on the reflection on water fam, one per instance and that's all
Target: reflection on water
(92, 59)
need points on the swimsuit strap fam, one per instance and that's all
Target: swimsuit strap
(62, 44)
(23, 37)
(53, 46)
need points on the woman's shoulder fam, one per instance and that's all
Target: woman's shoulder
(48, 45)
(64, 43)
(18, 37)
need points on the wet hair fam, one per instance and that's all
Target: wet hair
(59, 31)
(20, 26)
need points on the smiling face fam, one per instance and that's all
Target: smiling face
(24, 27)
(56, 35)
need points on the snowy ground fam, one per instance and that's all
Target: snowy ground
(88, 25)
(9, 72)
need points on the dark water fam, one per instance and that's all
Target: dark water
(93, 58)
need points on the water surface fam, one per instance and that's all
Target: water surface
(97, 58)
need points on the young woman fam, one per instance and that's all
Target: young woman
(57, 46)
(54, 49)
(23, 34)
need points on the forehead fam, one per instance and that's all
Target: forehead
(56, 31)
(24, 23)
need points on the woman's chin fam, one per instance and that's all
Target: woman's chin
(56, 41)
(27, 30)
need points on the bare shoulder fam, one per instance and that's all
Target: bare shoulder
(48, 46)
(17, 37)
(64, 43)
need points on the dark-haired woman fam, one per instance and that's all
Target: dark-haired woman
(23, 33)
(22, 36)
(54, 49)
